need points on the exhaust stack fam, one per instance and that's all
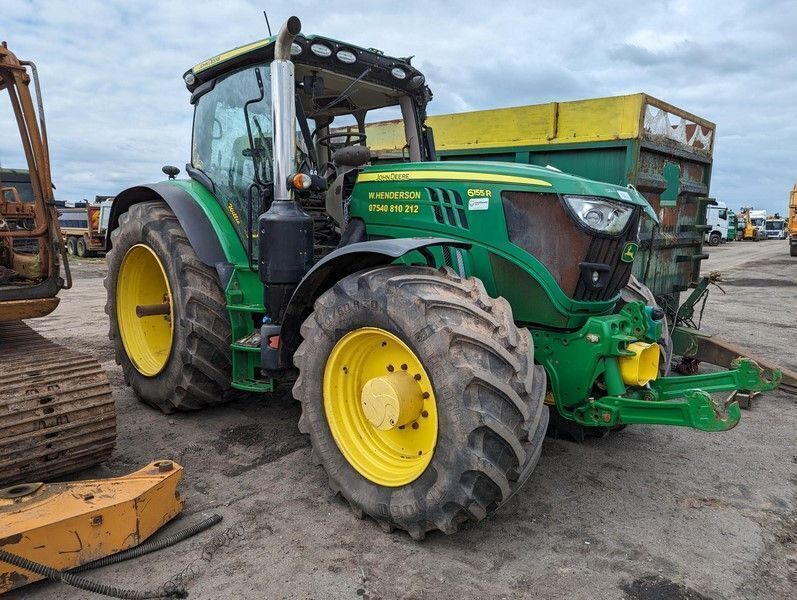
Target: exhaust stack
(284, 108)
(285, 229)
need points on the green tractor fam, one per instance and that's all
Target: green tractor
(428, 312)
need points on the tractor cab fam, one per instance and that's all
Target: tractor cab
(336, 85)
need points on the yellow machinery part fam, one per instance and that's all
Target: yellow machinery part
(380, 406)
(64, 525)
(142, 282)
(643, 366)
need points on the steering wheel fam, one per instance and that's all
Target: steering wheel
(350, 138)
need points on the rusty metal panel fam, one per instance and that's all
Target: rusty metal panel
(677, 242)
(57, 415)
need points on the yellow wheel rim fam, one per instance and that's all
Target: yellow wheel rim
(380, 406)
(141, 282)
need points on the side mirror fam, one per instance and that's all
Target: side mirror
(171, 171)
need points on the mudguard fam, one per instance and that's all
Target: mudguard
(193, 219)
(337, 265)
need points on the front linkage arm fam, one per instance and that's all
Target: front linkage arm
(591, 356)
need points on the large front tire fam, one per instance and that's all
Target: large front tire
(175, 362)
(487, 394)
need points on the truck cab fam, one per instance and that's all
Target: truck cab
(775, 228)
(716, 223)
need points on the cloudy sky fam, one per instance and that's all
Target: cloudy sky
(117, 109)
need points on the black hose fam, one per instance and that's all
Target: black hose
(150, 546)
(86, 584)
(69, 577)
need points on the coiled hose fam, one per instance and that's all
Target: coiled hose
(70, 578)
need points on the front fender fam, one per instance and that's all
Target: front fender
(337, 265)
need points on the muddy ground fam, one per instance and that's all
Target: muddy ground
(650, 513)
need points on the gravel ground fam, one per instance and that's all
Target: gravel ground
(649, 513)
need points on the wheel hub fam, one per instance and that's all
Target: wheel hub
(380, 406)
(391, 401)
(144, 309)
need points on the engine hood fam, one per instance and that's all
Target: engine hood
(509, 176)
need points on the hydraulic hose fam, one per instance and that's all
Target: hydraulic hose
(150, 545)
(86, 584)
(70, 577)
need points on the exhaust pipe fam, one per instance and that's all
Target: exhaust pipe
(285, 229)
(283, 92)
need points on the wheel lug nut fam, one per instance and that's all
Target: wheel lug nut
(417, 376)
(390, 368)
(403, 367)
(415, 425)
(425, 414)
(426, 395)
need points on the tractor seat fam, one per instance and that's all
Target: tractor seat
(345, 159)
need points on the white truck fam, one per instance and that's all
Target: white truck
(775, 228)
(716, 223)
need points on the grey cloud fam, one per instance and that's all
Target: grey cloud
(118, 110)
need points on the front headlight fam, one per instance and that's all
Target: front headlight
(603, 216)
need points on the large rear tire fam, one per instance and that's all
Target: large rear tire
(175, 362)
(485, 395)
(793, 249)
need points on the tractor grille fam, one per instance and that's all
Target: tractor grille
(607, 251)
(448, 207)
(541, 225)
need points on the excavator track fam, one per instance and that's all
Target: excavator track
(57, 415)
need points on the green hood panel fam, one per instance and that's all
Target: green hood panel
(508, 174)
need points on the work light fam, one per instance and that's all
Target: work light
(321, 50)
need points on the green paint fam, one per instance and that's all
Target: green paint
(590, 356)
(672, 175)
(244, 291)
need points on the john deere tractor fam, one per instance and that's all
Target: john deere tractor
(428, 312)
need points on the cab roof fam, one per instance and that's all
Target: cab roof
(381, 69)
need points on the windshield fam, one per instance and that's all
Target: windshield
(221, 146)
(774, 225)
(758, 222)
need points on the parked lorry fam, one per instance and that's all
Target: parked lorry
(775, 228)
(85, 228)
(426, 308)
(793, 221)
(716, 223)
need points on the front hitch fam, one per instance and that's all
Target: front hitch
(590, 387)
(682, 401)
